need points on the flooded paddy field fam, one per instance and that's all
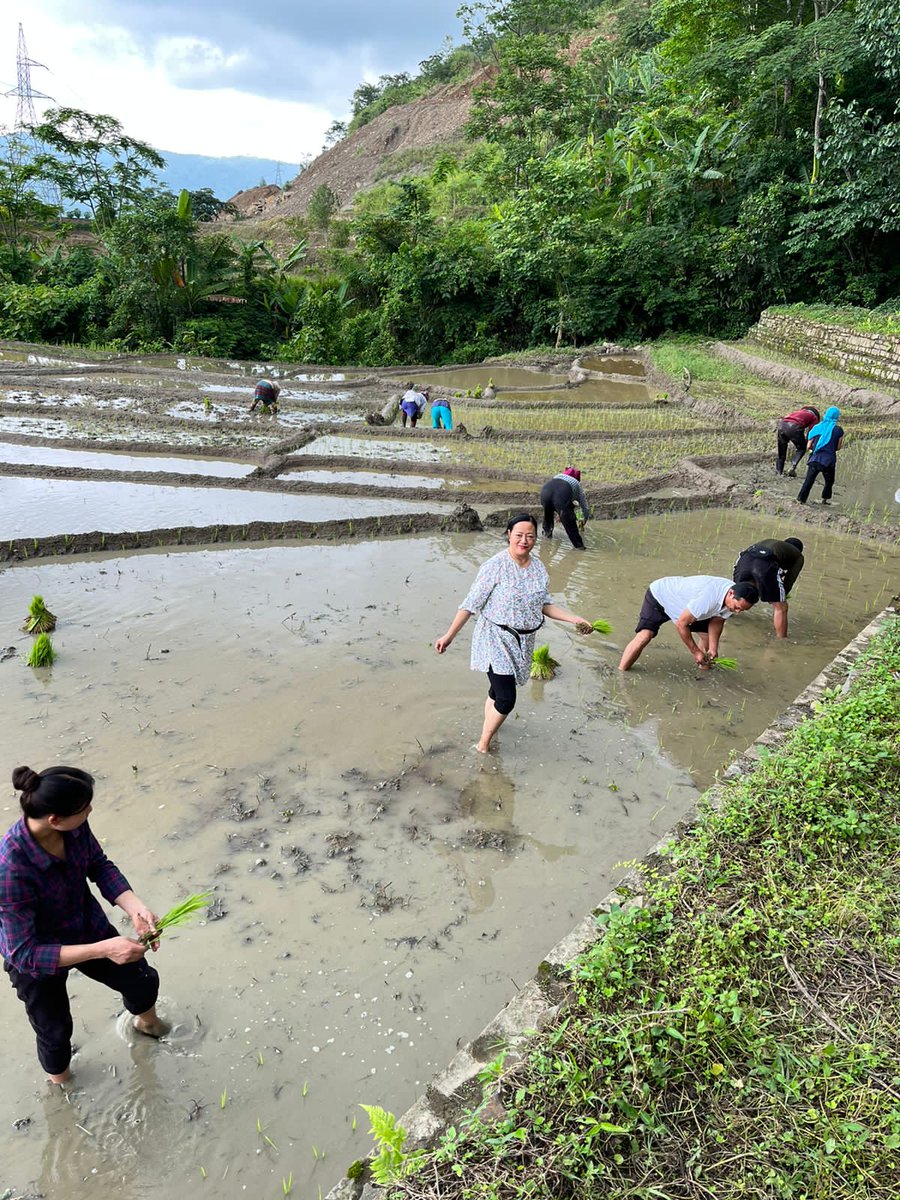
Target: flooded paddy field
(612, 364)
(379, 888)
(272, 723)
(502, 377)
(603, 461)
(48, 456)
(867, 477)
(44, 507)
(390, 479)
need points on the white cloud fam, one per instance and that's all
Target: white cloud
(184, 92)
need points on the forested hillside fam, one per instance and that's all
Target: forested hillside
(627, 170)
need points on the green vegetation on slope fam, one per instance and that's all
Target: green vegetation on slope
(629, 171)
(737, 1033)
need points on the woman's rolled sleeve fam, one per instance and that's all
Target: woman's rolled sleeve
(479, 592)
(107, 876)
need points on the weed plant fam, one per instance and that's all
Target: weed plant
(737, 1033)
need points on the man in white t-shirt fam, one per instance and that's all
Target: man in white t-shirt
(698, 604)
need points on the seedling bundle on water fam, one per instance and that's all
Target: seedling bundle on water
(178, 915)
(42, 652)
(40, 619)
(542, 665)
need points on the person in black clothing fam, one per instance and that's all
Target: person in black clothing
(558, 496)
(773, 566)
(826, 438)
(792, 431)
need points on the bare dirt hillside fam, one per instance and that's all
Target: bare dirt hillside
(402, 141)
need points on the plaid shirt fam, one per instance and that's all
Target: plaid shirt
(45, 902)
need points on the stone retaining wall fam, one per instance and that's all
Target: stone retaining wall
(457, 1089)
(872, 356)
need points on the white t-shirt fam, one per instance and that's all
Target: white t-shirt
(702, 595)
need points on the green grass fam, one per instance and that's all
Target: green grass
(674, 356)
(736, 1034)
(562, 416)
(614, 461)
(864, 320)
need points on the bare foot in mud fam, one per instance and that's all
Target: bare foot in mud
(477, 746)
(153, 1027)
(62, 1079)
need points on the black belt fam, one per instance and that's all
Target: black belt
(517, 633)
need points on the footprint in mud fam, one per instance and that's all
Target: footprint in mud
(185, 1028)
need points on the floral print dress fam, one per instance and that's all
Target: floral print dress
(506, 594)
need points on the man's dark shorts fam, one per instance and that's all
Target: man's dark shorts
(653, 616)
(764, 571)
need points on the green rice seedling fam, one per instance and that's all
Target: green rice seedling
(178, 915)
(601, 627)
(542, 665)
(727, 664)
(40, 619)
(42, 652)
(287, 1185)
(223, 1099)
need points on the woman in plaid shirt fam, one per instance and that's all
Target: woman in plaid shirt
(51, 921)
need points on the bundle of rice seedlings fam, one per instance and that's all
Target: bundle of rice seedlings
(542, 665)
(178, 915)
(42, 652)
(40, 619)
(727, 664)
(601, 627)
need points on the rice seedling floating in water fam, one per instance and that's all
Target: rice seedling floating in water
(542, 665)
(178, 915)
(40, 619)
(42, 652)
(601, 627)
(727, 664)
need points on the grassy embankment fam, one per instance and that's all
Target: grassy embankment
(884, 320)
(737, 1034)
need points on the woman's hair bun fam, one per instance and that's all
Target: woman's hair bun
(25, 780)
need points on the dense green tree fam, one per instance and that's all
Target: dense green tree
(92, 162)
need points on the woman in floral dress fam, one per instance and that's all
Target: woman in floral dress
(510, 597)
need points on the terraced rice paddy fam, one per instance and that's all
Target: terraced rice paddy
(271, 722)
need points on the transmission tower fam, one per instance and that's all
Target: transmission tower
(278, 175)
(23, 91)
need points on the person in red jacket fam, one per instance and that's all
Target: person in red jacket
(792, 430)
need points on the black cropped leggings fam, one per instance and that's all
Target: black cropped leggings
(502, 691)
(46, 1001)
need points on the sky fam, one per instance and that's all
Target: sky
(218, 77)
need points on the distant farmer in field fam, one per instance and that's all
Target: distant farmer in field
(441, 414)
(826, 439)
(266, 393)
(558, 497)
(792, 430)
(698, 604)
(773, 567)
(412, 404)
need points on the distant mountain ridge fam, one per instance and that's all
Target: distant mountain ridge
(223, 176)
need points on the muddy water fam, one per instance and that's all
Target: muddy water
(43, 507)
(613, 364)
(389, 448)
(47, 456)
(384, 479)
(381, 889)
(193, 410)
(93, 431)
(868, 474)
(471, 377)
(613, 391)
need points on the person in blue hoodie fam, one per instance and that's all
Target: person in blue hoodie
(824, 440)
(558, 497)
